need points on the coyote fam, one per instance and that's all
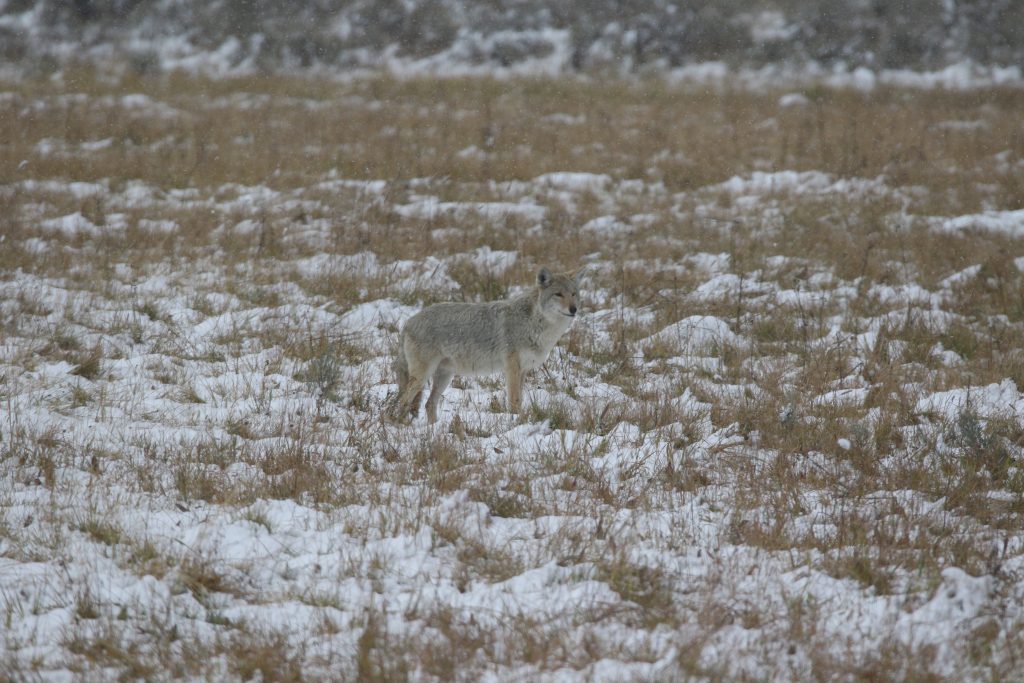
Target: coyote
(512, 336)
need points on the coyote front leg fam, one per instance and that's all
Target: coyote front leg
(513, 382)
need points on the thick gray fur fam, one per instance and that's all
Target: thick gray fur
(513, 336)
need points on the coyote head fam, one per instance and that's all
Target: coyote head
(559, 294)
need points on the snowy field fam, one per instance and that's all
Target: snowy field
(782, 442)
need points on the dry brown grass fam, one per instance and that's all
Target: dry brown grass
(769, 437)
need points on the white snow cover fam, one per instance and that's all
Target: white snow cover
(697, 333)
(203, 382)
(994, 400)
(431, 207)
(575, 182)
(806, 182)
(493, 261)
(965, 75)
(1006, 222)
(71, 225)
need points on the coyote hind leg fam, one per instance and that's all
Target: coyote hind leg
(409, 396)
(408, 403)
(442, 378)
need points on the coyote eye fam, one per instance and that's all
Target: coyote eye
(560, 295)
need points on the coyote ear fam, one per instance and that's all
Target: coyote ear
(575, 277)
(544, 277)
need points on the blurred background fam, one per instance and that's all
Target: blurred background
(570, 35)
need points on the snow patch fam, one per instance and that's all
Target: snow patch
(1009, 223)
(696, 333)
(994, 400)
(70, 226)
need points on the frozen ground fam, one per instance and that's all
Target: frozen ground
(196, 478)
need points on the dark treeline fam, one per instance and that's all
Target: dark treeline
(625, 35)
